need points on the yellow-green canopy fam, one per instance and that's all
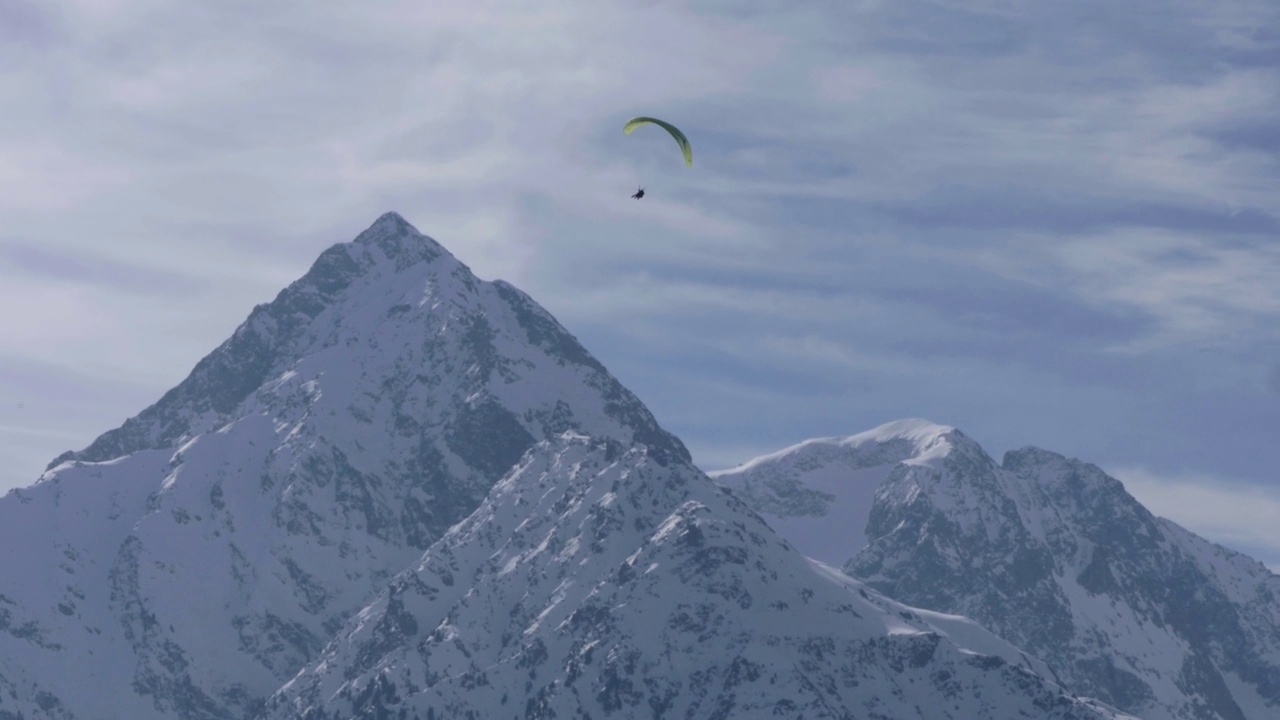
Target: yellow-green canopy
(681, 140)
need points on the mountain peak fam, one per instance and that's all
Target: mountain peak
(339, 431)
(379, 295)
(277, 333)
(392, 219)
(818, 493)
(928, 441)
(907, 427)
(911, 440)
(1067, 480)
(398, 240)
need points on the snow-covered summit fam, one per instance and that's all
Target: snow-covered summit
(908, 440)
(274, 335)
(818, 493)
(378, 298)
(927, 442)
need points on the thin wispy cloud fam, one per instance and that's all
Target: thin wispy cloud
(1196, 288)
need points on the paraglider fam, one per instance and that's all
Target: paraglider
(680, 139)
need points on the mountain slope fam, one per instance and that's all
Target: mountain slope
(1054, 556)
(595, 582)
(188, 562)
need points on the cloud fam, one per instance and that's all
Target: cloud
(1062, 204)
(1197, 289)
(25, 25)
(93, 269)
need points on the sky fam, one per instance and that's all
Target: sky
(1052, 224)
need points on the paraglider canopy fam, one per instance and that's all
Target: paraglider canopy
(681, 140)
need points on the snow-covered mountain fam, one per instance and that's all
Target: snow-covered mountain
(278, 527)
(595, 582)
(311, 519)
(1049, 553)
(189, 562)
